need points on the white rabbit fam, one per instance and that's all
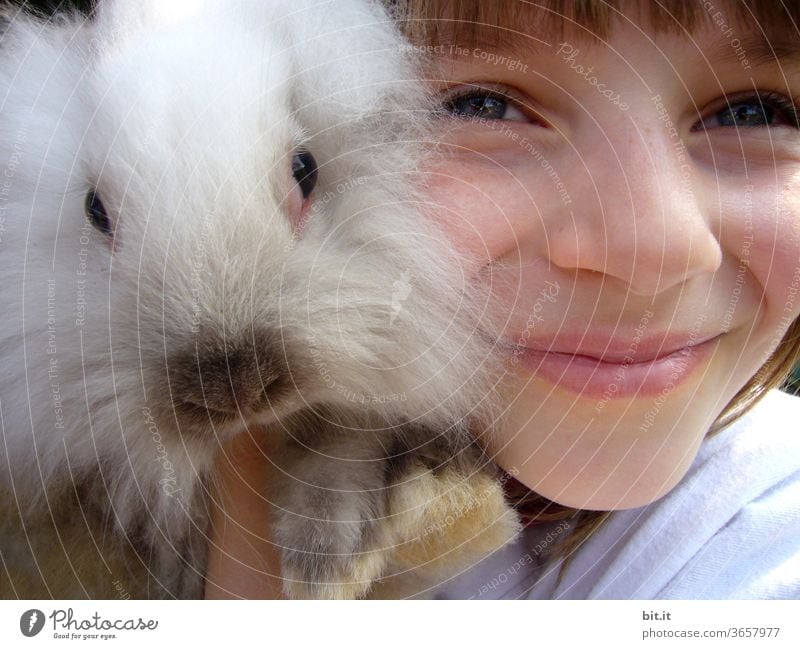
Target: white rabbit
(210, 221)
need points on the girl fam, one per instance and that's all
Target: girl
(626, 175)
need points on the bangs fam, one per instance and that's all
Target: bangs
(474, 22)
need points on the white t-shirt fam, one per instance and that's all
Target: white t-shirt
(729, 530)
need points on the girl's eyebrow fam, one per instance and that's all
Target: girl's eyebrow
(755, 49)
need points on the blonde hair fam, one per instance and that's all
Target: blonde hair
(471, 22)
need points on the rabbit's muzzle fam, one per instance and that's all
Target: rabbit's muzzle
(221, 378)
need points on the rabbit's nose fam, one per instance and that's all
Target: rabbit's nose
(221, 377)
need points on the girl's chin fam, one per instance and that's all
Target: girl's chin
(590, 454)
(596, 478)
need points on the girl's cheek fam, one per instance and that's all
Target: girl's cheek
(487, 212)
(761, 233)
(471, 214)
(781, 259)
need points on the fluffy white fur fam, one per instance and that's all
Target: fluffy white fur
(184, 116)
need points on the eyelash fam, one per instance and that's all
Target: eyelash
(783, 105)
(507, 95)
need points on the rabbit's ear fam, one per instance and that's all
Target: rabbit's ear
(119, 20)
(42, 115)
(41, 62)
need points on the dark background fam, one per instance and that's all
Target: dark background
(51, 6)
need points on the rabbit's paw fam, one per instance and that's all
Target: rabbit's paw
(443, 522)
(331, 559)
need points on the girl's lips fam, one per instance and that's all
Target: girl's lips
(611, 375)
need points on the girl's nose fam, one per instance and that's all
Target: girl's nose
(635, 216)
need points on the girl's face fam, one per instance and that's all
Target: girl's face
(635, 205)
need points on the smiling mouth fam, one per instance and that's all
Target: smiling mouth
(655, 366)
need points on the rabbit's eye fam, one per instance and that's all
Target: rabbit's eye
(304, 170)
(96, 213)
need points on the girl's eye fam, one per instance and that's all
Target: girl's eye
(481, 103)
(763, 109)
